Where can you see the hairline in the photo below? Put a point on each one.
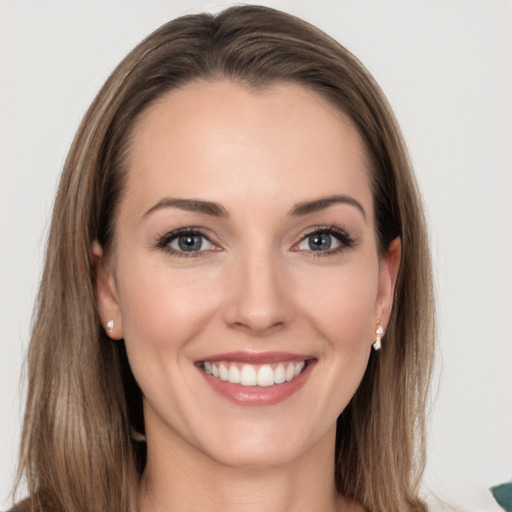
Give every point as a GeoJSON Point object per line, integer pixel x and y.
{"type": "Point", "coordinates": [256, 87]}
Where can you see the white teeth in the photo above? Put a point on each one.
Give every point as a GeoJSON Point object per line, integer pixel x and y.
{"type": "Point", "coordinates": [290, 372]}
{"type": "Point", "coordinates": [280, 374]}
{"type": "Point", "coordinates": [254, 375]}
{"type": "Point", "coordinates": [248, 375]}
{"type": "Point", "coordinates": [223, 372]}
{"type": "Point", "coordinates": [234, 375]}
{"type": "Point", "coordinates": [265, 376]}
{"type": "Point", "coordinates": [298, 368]}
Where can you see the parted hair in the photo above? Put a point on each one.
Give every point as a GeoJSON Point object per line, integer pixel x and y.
{"type": "Point", "coordinates": [78, 451]}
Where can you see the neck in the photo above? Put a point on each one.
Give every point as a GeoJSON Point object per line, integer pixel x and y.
{"type": "Point", "coordinates": [178, 477]}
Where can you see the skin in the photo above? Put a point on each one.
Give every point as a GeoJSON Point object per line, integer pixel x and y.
{"type": "Point", "coordinates": [255, 286]}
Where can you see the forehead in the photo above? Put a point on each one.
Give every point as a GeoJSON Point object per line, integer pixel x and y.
{"type": "Point", "coordinates": [222, 141]}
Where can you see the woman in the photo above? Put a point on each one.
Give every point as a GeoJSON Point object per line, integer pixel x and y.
{"type": "Point", "coordinates": [236, 226]}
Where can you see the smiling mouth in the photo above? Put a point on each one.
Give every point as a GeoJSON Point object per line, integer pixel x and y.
{"type": "Point", "coordinates": [261, 375]}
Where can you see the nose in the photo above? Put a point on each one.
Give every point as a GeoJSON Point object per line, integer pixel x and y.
{"type": "Point", "coordinates": [261, 298]}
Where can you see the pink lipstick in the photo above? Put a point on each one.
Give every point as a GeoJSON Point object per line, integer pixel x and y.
{"type": "Point", "coordinates": [256, 379]}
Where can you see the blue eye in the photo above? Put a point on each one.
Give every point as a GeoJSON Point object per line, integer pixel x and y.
{"type": "Point", "coordinates": [319, 242]}
{"type": "Point", "coordinates": [186, 242]}
{"type": "Point", "coordinates": [190, 242]}
{"type": "Point", "coordinates": [325, 240]}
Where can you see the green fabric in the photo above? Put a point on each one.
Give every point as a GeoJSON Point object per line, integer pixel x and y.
{"type": "Point", "coordinates": [503, 495]}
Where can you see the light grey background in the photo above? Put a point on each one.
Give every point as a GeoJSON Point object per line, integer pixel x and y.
{"type": "Point", "coordinates": [446, 66]}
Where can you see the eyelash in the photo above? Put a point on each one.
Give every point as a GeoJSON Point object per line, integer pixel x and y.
{"type": "Point", "coordinates": [344, 239]}
{"type": "Point", "coordinates": [165, 241]}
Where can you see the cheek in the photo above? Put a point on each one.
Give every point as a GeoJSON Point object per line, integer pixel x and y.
{"type": "Point", "coordinates": [163, 309]}
{"type": "Point", "coordinates": [341, 303]}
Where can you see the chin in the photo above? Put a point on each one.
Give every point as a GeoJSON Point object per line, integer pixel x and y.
{"type": "Point", "coordinates": [264, 445]}
{"type": "Point", "coordinates": [253, 456]}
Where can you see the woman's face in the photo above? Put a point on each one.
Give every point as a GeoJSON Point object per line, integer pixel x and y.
{"type": "Point", "coordinates": [245, 278]}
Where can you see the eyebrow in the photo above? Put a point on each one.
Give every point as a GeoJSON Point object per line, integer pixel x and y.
{"type": "Point", "coordinates": [190, 205]}
{"type": "Point", "coordinates": [216, 210]}
{"type": "Point", "coordinates": [307, 207]}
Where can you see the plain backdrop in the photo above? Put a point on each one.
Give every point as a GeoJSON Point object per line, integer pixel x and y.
{"type": "Point", "coordinates": [446, 67]}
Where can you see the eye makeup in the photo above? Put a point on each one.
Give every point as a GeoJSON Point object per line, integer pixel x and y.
{"type": "Point", "coordinates": [324, 241]}
{"type": "Point", "coordinates": [188, 242]}
{"type": "Point", "coordinates": [316, 241]}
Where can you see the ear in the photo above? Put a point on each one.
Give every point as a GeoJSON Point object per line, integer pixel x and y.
{"type": "Point", "coordinates": [106, 293]}
{"type": "Point", "coordinates": [388, 273]}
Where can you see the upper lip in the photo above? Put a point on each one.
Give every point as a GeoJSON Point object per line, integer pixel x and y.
{"type": "Point", "coordinates": [257, 357]}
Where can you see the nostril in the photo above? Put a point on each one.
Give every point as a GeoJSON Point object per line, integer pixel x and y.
{"type": "Point", "coordinates": [258, 326]}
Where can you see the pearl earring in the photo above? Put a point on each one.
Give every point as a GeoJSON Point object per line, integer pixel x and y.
{"type": "Point", "coordinates": [110, 326]}
{"type": "Point", "coordinates": [379, 332]}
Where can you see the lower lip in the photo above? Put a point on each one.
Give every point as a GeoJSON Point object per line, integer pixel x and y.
{"type": "Point", "coordinates": [254, 396]}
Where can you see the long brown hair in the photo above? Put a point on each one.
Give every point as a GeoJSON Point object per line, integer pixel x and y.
{"type": "Point", "coordinates": [77, 451]}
